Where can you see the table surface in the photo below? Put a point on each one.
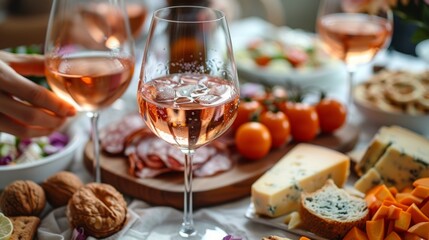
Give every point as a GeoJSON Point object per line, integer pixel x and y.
{"type": "Point", "coordinates": [232, 214]}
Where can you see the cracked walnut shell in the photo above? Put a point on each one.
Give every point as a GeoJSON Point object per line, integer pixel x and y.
{"type": "Point", "coordinates": [59, 188]}
{"type": "Point", "coordinates": [99, 208]}
{"type": "Point", "coordinates": [22, 198]}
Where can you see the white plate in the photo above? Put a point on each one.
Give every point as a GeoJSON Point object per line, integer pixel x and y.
{"type": "Point", "coordinates": [245, 31]}
{"type": "Point", "coordinates": [41, 169]}
{"type": "Point", "coordinates": [417, 123]}
{"type": "Point", "coordinates": [278, 223]}
{"type": "Point", "coordinates": [422, 50]}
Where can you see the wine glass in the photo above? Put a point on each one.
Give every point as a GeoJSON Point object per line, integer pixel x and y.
{"type": "Point", "coordinates": [137, 12]}
{"type": "Point", "coordinates": [89, 57]}
{"type": "Point", "coordinates": [354, 32]}
{"type": "Point", "coordinates": [188, 94]}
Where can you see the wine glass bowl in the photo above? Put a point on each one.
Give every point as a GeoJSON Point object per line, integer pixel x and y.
{"type": "Point", "coordinates": [137, 13]}
{"type": "Point", "coordinates": [89, 57]}
{"type": "Point", "coordinates": [188, 110]}
{"type": "Point", "coordinates": [188, 92]}
{"type": "Point", "coordinates": [353, 32]}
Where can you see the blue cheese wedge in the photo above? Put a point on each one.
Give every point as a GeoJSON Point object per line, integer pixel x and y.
{"type": "Point", "coordinates": [371, 179]}
{"type": "Point", "coordinates": [305, 168]}
{"type": "Point", "coordinates": [385, 137]}
{"type": "Point", "coordinates": [395, 157]}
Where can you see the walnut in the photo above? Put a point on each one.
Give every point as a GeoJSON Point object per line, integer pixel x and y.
{"type": "Point", "coordinates": [60, 187]}
{"type": "Point", "coordinates": [22, 198]}
{"type": "Point", "coordinates": [99, 208]}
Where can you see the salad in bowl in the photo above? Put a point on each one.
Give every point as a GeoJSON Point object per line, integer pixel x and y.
{"type": "Point", "coordinates": [35, 158]}
{"type": "Point", "coordinates": [279, 55]}
{"type": "Point", "coordinates": [14, 150]}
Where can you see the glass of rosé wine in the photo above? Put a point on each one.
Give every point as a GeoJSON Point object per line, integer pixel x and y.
{"type": "Point", "coordinates": [89, 57]}
{"type": "Point", "coordinates": [354, 31]}
{"type": "Point", "coordinates": [188, 94]}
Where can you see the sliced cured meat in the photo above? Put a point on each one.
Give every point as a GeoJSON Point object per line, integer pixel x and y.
{"type": "Point", "coordinates": [153, 152]}
{"type": "Point", "coordinates": [220, 162]}
{"type": "Point", "coordinates": [157, 151]}
{"type": "Point", "coordinates": [151, 173]}
{"type": "Point", "coordinates": [176, 158]}
{"type": "Point", "coordinates": [113, 135]}
{"type": "Point", "coordinates": [135, 165]}
{"type": "Point", "coordinates": [149, 156]}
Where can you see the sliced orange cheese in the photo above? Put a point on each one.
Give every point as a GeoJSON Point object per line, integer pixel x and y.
{"type": "Point", "coordinates": [393, 236]}
{"type": "Point", "coordinates": [425, 209]}
{"type": "Point", "coordinates": [403, 222]}
{"type": "Point", "coordinates": [375, 229]}
{"type": "Point", "coordinates": [421, 192]}
{"type": "Point", "coordinates": [420, 229]}
{"type": "Point", "coordinates": [421, 182]}
{"type": "Point", "coordinates": [417, 215]}
{"type": "Point", "coordinates": [355, 234]}
{"type": "Point", "coordinates": [408, 198]}
{"type": "Point", "coordinates": [396, 204]}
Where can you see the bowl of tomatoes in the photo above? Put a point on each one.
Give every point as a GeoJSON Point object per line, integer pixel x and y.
{"type": "Point", "coordinates": [270, 119]}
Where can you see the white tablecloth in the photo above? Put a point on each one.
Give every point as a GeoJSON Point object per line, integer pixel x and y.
{"type": "Point", "coordinates": [230, 215]}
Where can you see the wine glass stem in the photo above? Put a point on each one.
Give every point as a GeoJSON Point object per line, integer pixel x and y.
{"type": "Point", "coordinates": [350, 72]}
{"type": "Point", "coordinates": [188, 229]}
{"type": "Point", "coordinates": [96, 145]}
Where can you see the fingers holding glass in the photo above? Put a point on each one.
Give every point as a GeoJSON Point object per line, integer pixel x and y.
{"type": "Point", "coordinates": [89, 57]}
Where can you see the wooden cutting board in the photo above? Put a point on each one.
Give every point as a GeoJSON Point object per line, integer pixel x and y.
{"type": "Point", "coordinates": [167, 189]}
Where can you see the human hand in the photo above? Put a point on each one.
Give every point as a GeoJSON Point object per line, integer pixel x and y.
{"type": "Point", "coordinates": [28, 109]}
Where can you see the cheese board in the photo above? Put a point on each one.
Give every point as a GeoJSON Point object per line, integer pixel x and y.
{"type": "Point", "coordinates": [167, 189]}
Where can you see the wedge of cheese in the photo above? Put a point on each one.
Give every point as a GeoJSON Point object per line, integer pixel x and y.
{"type": "Point", "coordinates": [305, 168]}
{"type": "Point", "coordinates": [395, 157]}
{"type": "Point", "coordinates": [385, 137]}
{"type": "Point", "coordinates": [371, 179]}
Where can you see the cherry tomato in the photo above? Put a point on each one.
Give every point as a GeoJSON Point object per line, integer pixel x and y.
{"type": "Point", "coordinates": [253, 140]}
{"type": "Point", "coordinates": [331, 113]}
{"type": "Point", "coordinates": [245, 111]}
{"type": "Point", "coordinates": [296, 57]}
{"type": "Point", "coordinates": [304, 122]}
{"type": "Point", "coordinates": [262, 60]}
{"type": "Point", "coordinates": [278, 125]}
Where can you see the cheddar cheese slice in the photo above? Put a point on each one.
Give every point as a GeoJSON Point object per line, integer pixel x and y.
{"type": "Point", "coordinates": [305, 168]}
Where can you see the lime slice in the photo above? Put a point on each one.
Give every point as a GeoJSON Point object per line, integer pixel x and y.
{"type": "Point", "coordinates": [6, 227]}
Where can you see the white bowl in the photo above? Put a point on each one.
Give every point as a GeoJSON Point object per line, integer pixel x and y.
{"type": "Point", "coordinates": [325, 76]}
{"type": "Point", "coordinates": [41, 169]}
{"type": "Point", "coordinates": [280, 72]}
{"type": "Point", "coordinates": [422, 50]}
{"type": "Point", "coordinates": [417, 123]}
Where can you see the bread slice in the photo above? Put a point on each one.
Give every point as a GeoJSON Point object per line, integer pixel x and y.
{"type": "Point", "coordinates": [331, 212]}
{"type": "Point", "coordinates": [24, 227]}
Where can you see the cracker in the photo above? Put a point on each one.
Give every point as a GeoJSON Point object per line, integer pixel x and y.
{"type": "Point", "coordinates": [24, 227]}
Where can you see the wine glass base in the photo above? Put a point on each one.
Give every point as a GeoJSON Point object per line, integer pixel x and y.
{"type": "Point", "coordinates": [170, 231]}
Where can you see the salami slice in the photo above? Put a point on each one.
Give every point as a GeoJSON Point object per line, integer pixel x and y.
{"type": "Point", "coordinates": [151, 173]}
{"type": "Point", "coordinates": [113, 135]}
{"type": "Point", "coordinates": [149, 156]}
{"type": "Point", "coordinates": [220, 162]}
{"type": "Point", "coordinates": [152, 151]}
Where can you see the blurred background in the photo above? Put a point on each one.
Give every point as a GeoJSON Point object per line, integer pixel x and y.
{"type": "Point", "coordinates": [23, 22]}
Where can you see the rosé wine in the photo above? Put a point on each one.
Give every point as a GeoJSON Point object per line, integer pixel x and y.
{"type": "Point", "coordinates": [188, 110]}
{"type": "Point", "coordinates": [89, 82]}
{"type": "Point", "coordinates": [353, 38]}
